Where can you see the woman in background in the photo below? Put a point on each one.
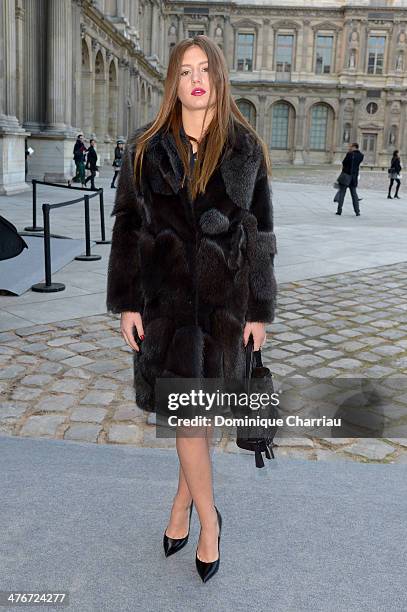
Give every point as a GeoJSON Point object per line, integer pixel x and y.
{"type": "Point", "coordinates": [395, 174]}
{"type": "Point", "coordinates": [117, 162]}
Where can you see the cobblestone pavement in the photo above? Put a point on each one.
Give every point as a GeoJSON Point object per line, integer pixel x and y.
{"type": "Point", "coordinates": [376, 180]}
{"type": "Point", "coordinates": [73, 379]}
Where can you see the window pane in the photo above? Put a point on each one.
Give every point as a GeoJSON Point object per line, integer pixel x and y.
{"type": "Point", "coordinates": [284, 55]}
{"type": "Point", "coordinates": [319, 124]}
{"type": "Point", "coordinates": [245, 43]}
{"type": "Point", "coordinates": [279, 126]}
{"type": "Point", "coordinates": [375, 57]}
{"type": "Point", "coordinates": [324, 54]}
{"type": "Point", "coordinates": [248, 111]}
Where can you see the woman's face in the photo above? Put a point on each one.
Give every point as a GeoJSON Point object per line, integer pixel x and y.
{"type": "Point", "coordinates": [194, 75]}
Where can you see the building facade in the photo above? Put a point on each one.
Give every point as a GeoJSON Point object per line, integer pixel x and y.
{"type": "Point", "coordinates": [311, 77]}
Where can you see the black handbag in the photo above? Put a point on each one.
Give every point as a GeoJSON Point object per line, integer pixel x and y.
{"type": "Point", "coordinates": [344, 179]}
{"type": "Point", "coordinates": [257, 439]}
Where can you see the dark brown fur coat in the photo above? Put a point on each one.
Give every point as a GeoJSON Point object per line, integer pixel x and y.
{"type": "Point", "coordinates": [196, 271]}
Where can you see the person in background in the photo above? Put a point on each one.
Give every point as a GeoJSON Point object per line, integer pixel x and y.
{"type": "Point", "coordinates": [79, 151]}
{"type": "Point", "coordinates": [91, 163]}
{"type": "Point", "coordinates": [117, 162]}
{"type": "Point", "coordinates": [395, 174]}
{"type": "Point", "coordinates": [350, 165]}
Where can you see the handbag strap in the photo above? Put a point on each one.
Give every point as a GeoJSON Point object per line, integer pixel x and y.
{"type": "Point", "coordinates": [249, 356]}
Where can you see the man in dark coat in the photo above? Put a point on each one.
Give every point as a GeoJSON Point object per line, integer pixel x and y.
{"type": "Point", "coordinates": [79, 151]}
{"type": "Point", "coordinates": [350, 166]}
{"type": "Point", "coordinates": [197, 271]}
{"type": "Point", "coordinates": [91, 161]}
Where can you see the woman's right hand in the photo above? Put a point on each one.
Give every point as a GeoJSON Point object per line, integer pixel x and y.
{"type": "Point", "coordinates": [127, 322]}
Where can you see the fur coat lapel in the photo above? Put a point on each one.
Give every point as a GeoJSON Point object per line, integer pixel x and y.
{"type": "Point", "coordinates": [238, 168]}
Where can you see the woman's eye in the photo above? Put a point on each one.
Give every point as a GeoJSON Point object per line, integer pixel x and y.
{"type": "Point", "coordinates": [186, 71]}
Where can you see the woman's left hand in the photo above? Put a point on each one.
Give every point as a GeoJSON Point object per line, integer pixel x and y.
{"type": "Point", "coordinates": [258, 331]}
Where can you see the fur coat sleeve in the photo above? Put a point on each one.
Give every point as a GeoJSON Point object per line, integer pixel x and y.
{"type": "Point", "coordinates": [262, 247]}
{"type": "Point", "coordinates": [123, 286]}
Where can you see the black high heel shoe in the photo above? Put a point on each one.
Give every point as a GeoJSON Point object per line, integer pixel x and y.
{"type": "Point", "coordinates": [173, 545]}
{"type": "Point", "coordinates": [207, 570]}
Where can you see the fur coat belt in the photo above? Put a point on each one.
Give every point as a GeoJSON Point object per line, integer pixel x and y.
{"type": "Point", "coordinates": [195, 270]}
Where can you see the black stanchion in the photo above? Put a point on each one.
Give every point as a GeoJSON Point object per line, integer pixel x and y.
{"type": "Point", "coordinates": [34, 227]}
{"type": "Point", "coordinates": [48, 286]}
{"type": "Point", "coordinates": [102, 220]}
{"type": "Point", "coordinates": [88, 256]}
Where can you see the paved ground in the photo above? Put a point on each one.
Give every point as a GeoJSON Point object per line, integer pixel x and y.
{"type": "Point", "coordinates": [376, 180]}
{"type": "Point", "coordinates": [305, 537]}
{"type": "Point", "coordinates": [73, 379]}
{"type": "Point", "coordinates": [84, 496]}
{"type": "Point", "coordinates": [312, 242]}
{"type": "Point", "coordinates": [66, 372]}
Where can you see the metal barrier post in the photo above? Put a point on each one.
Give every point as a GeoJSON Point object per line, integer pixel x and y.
{"type": "Point", "coordinates": [34, 227]}
{"type": "Point", "coordinates": [48, 286]}
{"type": "Point", "coordinates": [88, 256]}
{"type": "Point", "coordinates": [102, 220]}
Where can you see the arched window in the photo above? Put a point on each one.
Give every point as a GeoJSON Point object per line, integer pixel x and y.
{"type": "Point", "coordinates": [319, 127]}
{"type": "Point", "coordinates": [248, 111]}
{"type": "Point", "coordinates": [279, 125]}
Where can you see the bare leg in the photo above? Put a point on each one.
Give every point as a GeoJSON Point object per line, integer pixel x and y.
{"type": "Point", "coordinates": [194, 456]}
{"type": "Point", "coordinates": [178, 523]}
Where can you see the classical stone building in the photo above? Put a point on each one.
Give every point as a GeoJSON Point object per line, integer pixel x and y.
{"type": "Point", "coordinates": [72, 66]}
{"type": "Point", "coordinates": [311, 76]}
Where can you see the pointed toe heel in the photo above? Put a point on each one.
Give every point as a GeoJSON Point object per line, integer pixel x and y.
{"type": "Point", "coordinates": [173, 545]}
{"type": "Point", "coordinates": [207, 570]}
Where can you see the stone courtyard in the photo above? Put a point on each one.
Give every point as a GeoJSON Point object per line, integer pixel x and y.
{"type": "Point", "coordinates": [67, 376]}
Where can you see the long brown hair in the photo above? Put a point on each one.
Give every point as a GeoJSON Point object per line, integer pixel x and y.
{"type": "Point", "coordinates": [169, 116]}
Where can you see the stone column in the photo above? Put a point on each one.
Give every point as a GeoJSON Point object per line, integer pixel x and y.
{"type": "Point", "coordinates": [12, 135]}
{"type": "Point", "coordinates": [180, 28]}
{"type": "Point", "coordinates": [34, 62]}
{"type": "Point", "coordinates": [211, 27]}
{"type": "Point", "coordinates": [227, 34]}
{"type": "Point", "coordinates": [299, 133]}
{"type": "Point", "coordinates": [59, 57]}
{"type": "Point", "coordinates": [265, 48]}
{"type": "Point", "coordinates": [76, 67]}
{"type": "Point", "coordinates": [355, 124]}
{"type": "Point", "coordinates": [403, 131]}
{"type": "Point", "coordinates": [270, 52]}
{"type": "Point", "coordinates": [54, 157]}
{"type": "Point", "coordinates": [20, 17]}
{"type": "Point", "coordinates": [362, 55]}
{"type": "Point", "coordinates": [155, 33]}
{"type": "Point", "coordinates": [261, 115]}
{"type": "Point", "coordinates": [120, 9]}
{"type": "Point", "coordinates": [339, 132]}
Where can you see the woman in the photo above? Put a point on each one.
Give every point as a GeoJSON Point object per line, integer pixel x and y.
{"type": "Point", "coordinates": [395, 174]}
{"type": "Point", "coordinates": [191, 262]}
{"type": "Point", "coordinates": [117, 162]}
{"type": "Point", "coordinates": [91, 163]}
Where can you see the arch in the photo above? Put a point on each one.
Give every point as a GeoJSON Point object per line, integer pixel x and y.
{"type": "Point", "coordinates": [282, 125]}
{"type": "Point", "coordinates": [321, 116]}
{"type": "Point", "coordinates": [248, 110]}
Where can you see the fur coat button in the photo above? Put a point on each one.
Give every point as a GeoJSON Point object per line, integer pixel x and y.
{"type": "Point", "coordinates": [213, 222]}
